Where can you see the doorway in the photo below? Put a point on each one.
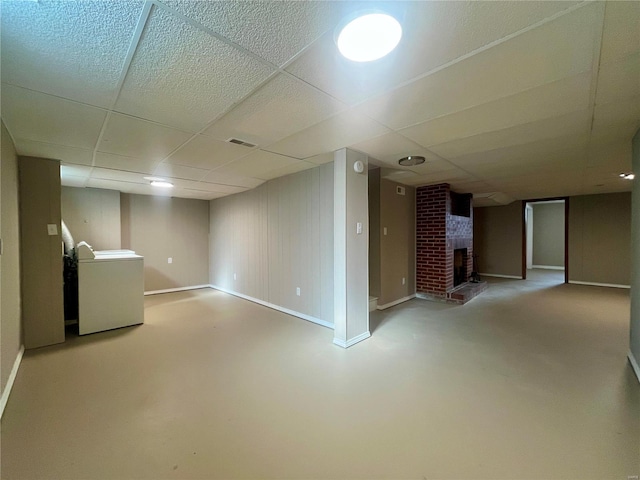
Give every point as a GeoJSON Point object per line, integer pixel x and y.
{"type": "Point", "coordinates": [545, 240]}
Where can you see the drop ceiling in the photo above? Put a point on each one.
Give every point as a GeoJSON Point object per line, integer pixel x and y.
{"type": "Point", "coordinates": [505, 100]}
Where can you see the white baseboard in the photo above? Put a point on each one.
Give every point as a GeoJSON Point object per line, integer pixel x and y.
{"type": "Point", "coordinates": [179, 289]}
{"type": "Point", "coordinates": [634, 364]}
{"type": "Point", "coordinates": [595, 284]}
{"type": "Point", "coordinates": [12, 377]}
{"type": "Point", "coordinates": [547, 267]}
{"type": "Point", "coordinates": [352, 341]}
{"type": "Point", "coordinates": [497, 275]}
{"type": "Point", "coordinates": [396, 302]}
{"type": "Point", "coordinates": [303, 316]}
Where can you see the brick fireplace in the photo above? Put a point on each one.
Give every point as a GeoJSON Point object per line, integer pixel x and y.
{"type": "Point", "coordinates": [444, 226]}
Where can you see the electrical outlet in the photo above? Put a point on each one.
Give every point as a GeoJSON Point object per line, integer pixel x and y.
{"type": "Point", "coordinates": [170, 260]}
{"type": "Point", "coordinates": [404, 280]}
{"type": "Point", "coordinates": [298, 291]}
{"type": "Point", "coordinates": [359, 228]}
{"type": "Point", "coordinates": [384, 230]}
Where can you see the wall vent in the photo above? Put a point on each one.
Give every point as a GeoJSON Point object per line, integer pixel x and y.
{"type": "Point", "coordinates": [400, 190]}
{"type": "Point", "coordinates": [237, 141]}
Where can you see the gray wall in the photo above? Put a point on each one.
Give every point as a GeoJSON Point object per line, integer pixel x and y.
{"type": "Point", "coordinates": [398, 247]}
{"type": "Point", "coordinates": [11, 333]}
{"type": "Point", "coordinates": [275, 238]}
{"type": "Point", "coordinates": [93, 216]}
{"type": "Point", "coordinates": [599, 238]}
{"type": "Point", "coordinates": [548, 234]}
{"type": "Point", "coordinates": [635, 255]}
{"type": "Point", "coordinates": [160, 228]}
{"type": "Point", "coordinates": [497, 239]}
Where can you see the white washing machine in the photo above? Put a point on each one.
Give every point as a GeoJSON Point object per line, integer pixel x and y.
{"type": "Point", "coordinates": [110, 289]}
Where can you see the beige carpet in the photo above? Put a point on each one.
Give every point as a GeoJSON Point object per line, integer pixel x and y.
{"type": "Point", "coordinates": [529, 380]}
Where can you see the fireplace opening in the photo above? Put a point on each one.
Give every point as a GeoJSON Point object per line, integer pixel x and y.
{"type": "Point", "coordinates": [459, 266]}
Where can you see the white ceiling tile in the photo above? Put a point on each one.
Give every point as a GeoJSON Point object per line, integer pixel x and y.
{"type": "Point", "coordinates": [621, 35]}
{"type": "Point", "coordinates": [619, 80]}
{"type": "Point", "coordinates": [346, 128]}
{"type": "Point", "coordinates": [572, 124]}
{"type": "Point", "coordinates": [434, 33]}
{"type": "Point", "coordinates": [550, 100]}
{"type": "Point", "coordinates": [205, 186]}
{"type": "Point", "coordinates": [617, 155]}
{"type": "Point", "coordinates": [43, 118]}
{"type": "Point", "coordinates": [299, 166]}
{"type": "Point", "coordinates": [165, 169]}
{"type": "Point", "coordinates": [128, 164]}
{"type": "Point", "coordinates": [321, 159]}
{"type": "Point", "coordinates": [133, 137]}
{"type": "Point", "coordinates": [446, 176]}
{"type": "Point", "coordinates": [558, 49]}
{"type": "Point", "coordinates": [234, 180]}
{"type": "Point", "coordinates": [207, 153]}
{"type": "Point", "coordinates": [280, 108]}
{"type": "Point", "coordinates": [72, 170]}
{"type": "Point", "coordinates": [78, 54]}
{"type": "Point", "coordinates": [275, 31]}
{"type": "Point", "coordinates": [122, 186]}
{"type": "Point", "coordinates": [71, 181]}
{"type": "Point", "coordinates": [617, 118]}
{"type": "Point", "coordinates": [183, 77]}
{"type": "Point", "coordinates": [30, 148]}
{"type": "Point", "coordinates": [117, 175]}
{"type": "Point", "coordinates": [258, 164]}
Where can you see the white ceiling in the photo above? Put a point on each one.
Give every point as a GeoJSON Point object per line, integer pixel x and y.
{"type": "Point", "coordinates": [506, 100]}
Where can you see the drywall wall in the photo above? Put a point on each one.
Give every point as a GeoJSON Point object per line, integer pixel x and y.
{"type": "Point", "coordinates": [548, 234]}
{"type": "Point", "coordinates": [599, 238]}
{"type": "Point", "coordinates": [497, 239]}
{"type": "Point", "coordinates": [374, 232]}
{"type": "Point", "coordinates": [269, 241]}
{"type": "Point", "coordinates": [398, 245]}
{"type": "Point", "coordinates": [10, 334]}
{"type": "Point", "coordinates": [40, 252]}
{"type": "Point", "coordinates": [93, 216]}
{"type": "Point", "coordinates": [634, 346]}
{"type": "Point", "coordinates": [160, 228]}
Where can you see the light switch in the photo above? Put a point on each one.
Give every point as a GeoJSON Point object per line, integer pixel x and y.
{"type": "Point", "coordinates": [52, 229]}
{"type": "Point", "coordinates": [384, 230]}
{"type": "Point", "coordinates": [359, 228]}
{"type": "Point", "coordinates": [170, 260]}
{"type": "Point", "coordinates": [298, 291]}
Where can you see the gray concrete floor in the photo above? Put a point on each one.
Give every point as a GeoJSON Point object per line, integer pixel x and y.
{"type": "Point", "coordinates": [528, 380]}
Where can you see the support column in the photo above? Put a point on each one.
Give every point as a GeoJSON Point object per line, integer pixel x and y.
{"type": "Point", "coordinates": [634, 344]}
{"type": "Point", "coordinates": [351, 248]}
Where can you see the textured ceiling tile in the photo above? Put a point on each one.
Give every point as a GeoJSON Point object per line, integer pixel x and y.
{"type": "Point", "coordinates": [205, 186]}
{"type": "Point", "coordinates": [72, 181]}
{"type": "Point", "coordinates": [288, 170]}
{"type": "Point", "coordinates": [440, 177]}
{"type": "Point", "coordinates": [183, 77]}
{"type": "Point", "coordinates": [434, 33]}
{"type": "Point", "coordinates": [619, 80]}
{"type": "Point", "coordinates": [275, 31]}
{"type": "Point", "coordinates": [117, 175]}
{"type": "Point", "coordinates": [559, 49]}
{"type": "Point", "coordinates": [390, 148]}
{"type": "Point", "coordinates": [616, 154]}
{"type": "Point", "coordinates": [346, 128]}
{"type": "Point", "coordinates": [551, 100]}
{"type": "Point", "coordinates": [621, 35]}
{"type": "Point", "coordinates": [207, 153]}
{"type": "Point", "coordinates": [128, 164]}
{"type": "Point", "coordinates": [43, 118]}
{"type": "Point", "coordinates": [133, 137]}
{"type": "Point", "coordinates": [70, 49]}
{"type": "Point", "coordinates": [280, 108]}
{"type": "Point", "coordinates": [616, 119]}
{"type": "Point", "coordinates": [71, 170]}
{"type": "Point", "coordinates": [125, 187]}
{"type": "Point", "coordinates": [258, 164]}
{"type": "Point", "coordinates": [233, 180]}
{"type": "Point", "coordinates": [321, 159]}
{"type": "Point", "coordinates": [572, 124]}
{"type": "Point", "coordinates": [165, 169]}
{"type": "Point", "coordinates": [30, 148]}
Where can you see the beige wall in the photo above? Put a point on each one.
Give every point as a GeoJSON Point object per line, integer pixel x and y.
{"type": "Point", "coordinates": [548, 234]}
{"type": "Point", "coordinates": [159, 228]}
{"type": "Point", "coordinates": [599, 238]}
{"type": "Point", "coordinates": [93, 216]}
{"type": "Point", "coordinates": [635, 255]}
{"type": "Point", "coordinates": [497, 239]}
{"type": "Point", "coordinates": [40, 252]}
{"type": "Point", "coordinates": [275, 238]}
{"type": "Point", "coordinates": [374, 232]}
{"type": "Point", "coordinates": [10, 334]}
{"type": "Point", "coordinates": [398, 246]}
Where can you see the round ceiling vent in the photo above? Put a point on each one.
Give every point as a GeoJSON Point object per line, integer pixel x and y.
{"type": "Point", "coordinates": [411, 161]}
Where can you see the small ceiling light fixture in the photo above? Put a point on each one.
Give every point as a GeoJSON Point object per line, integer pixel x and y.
{"type": "Point", "coordinates": [627, 176]}
{"type": "Point", "coordinates": [411, 161]}
{"type": "Point", "coordinates": [368, 37]}
{"type": "Point", "coordinates": [161, 183]}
